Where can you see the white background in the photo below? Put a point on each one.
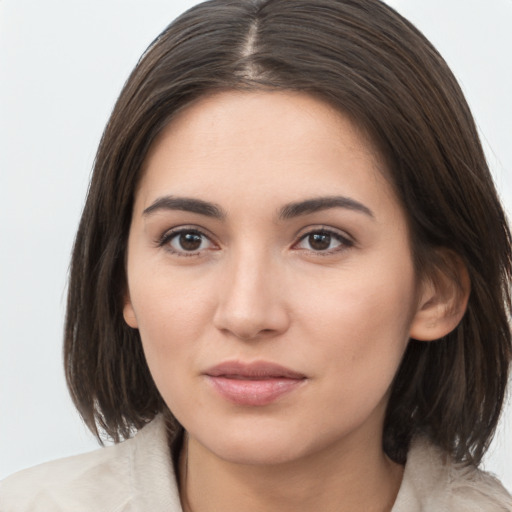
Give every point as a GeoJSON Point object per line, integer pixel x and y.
{"type": "Point", "coordinates": [62, 65]}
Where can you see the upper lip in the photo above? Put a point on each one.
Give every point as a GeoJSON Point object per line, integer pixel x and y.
{"type": "Point", "coordinates": [255, 370]}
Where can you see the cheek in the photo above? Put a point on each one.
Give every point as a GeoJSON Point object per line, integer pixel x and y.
{"type": "Point", "coordinates": [360, 324]}
{"type": "Point", "coordinates": [360, 299]}
{"type": "Point", "coordinates": [172, 316]}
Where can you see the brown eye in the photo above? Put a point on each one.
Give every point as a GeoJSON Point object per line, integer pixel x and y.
{"type": "Point", "coordinates": [323, 241]}
{"type": "Point", "coordinates": [190, 241]}
{"type": "Point", "coordinates": [319, 241]}
{"type": "Point", "coordinates": [187, 242]}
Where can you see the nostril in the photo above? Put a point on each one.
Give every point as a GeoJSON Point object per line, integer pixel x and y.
{"type": "Point", "coordinates": [250, 305]}
{"type": "Point", "coordinates": [253, 328]}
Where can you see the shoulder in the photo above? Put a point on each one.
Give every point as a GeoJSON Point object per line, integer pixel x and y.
{"type": "Point", "coordinates": [472, 489]}
{"type": "Point", "coordinates": [434, 482]}
{"type": "Point", "coordinates": [65, 483]}
{"type": "Point", "coordinates": [109, 479]}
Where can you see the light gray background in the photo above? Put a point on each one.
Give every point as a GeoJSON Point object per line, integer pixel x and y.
{"type": "Point", "coordinates": [62, 65]}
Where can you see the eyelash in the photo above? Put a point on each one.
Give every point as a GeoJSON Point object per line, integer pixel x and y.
{"type": "Point", "coordinates": [169, 236]}
{"type": "Point", "coordinates": [344, 241]}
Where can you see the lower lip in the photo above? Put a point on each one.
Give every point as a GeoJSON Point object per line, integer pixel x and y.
{"type": "Point", "coordinates": [254, 392]}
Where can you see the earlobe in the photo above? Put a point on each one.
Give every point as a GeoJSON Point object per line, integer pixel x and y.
{"type": "Point", "coordinates": [443, 300]}
{"type": "Point", "coordinates": [129, 313]}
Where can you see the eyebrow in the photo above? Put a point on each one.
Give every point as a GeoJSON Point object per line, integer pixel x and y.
{"type": "Point", "coordinates": [186, 204]}
{"type": "Point", "coordinates": [322, 203]}
{"type": "Point", "coordinates": [288, 211]}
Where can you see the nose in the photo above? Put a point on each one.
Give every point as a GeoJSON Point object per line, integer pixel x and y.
{"type": "Point", "coordinates": [251, 302]}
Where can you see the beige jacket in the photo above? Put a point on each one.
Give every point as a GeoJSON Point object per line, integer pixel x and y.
{"type": "Point", "coordinates": [137, 475]}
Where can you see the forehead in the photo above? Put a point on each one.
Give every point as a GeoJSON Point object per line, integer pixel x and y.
{"type": "Point", "coordinates": [279, 144]}
{"type": "Point", "coordinates": [250, 117]}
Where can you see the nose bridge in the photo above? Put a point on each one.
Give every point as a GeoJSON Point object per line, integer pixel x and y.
{"type": "Point", "coordinates": [251, 299]}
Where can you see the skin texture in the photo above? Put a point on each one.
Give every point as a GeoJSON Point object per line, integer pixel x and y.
{"type": "Point", "coordinates": [257, 288]}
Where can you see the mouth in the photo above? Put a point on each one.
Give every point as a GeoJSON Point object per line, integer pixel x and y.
{"type": "Point", "coordinates": [253, 384]}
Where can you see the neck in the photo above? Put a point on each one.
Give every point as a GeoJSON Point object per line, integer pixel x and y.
{"type": "Point", "coordinates": [335, 479]}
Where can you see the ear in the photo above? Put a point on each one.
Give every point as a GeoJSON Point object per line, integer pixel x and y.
{"type": "Point", "coordinates": [129, 313]}
{"type": "Point", "coordinates": [443, 298]}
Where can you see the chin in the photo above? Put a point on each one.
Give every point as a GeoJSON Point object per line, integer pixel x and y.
{"type": "Point", "coordinates": [259, 442]}
{"type": "Point", "coordinates": [256, 451]}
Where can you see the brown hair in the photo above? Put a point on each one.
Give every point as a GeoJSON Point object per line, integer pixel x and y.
{"type": "Point", "coordinates": [370, 63]}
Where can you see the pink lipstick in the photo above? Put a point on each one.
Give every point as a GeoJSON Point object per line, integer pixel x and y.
{"type": "Point", "coordinates": [253, 384]}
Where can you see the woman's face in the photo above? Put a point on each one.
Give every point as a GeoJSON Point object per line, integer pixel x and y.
{"type": "Point", "coordinates": [270, 277]}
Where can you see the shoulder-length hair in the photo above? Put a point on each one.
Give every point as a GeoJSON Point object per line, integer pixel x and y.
{"type": "Point", "coordinates": [377, 68]}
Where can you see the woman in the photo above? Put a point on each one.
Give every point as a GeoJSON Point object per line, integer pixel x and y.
{"type": "Point", "coordinates": [291, 276]}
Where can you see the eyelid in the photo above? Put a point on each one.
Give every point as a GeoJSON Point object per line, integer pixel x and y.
{"type": "Point", "coordinates": [347, 241]}
{"type": "Point", "coordinates": [164, 239]}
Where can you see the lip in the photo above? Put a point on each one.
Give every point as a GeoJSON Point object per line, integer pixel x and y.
{"type": "Point", "coordinates": [253, 384]}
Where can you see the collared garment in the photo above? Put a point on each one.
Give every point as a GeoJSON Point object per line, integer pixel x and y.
{"type": "Point", "coordinates": [138, 475]}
